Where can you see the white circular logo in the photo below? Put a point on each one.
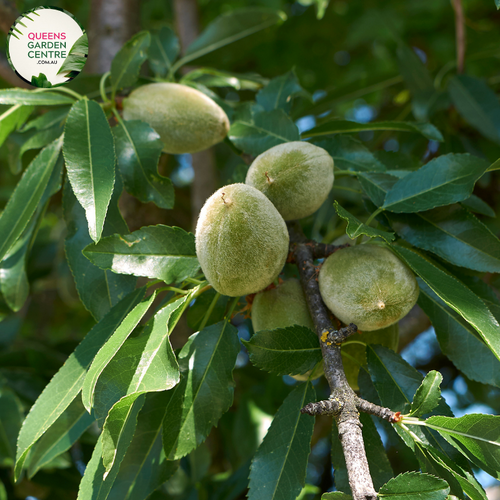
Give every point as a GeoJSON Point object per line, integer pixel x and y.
{"type": "Point", "coordinates": [47, 47]}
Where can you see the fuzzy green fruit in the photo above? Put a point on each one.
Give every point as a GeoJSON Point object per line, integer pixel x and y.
{"type": "Point", "coordinates": [367, 285]}
{"type": "Point", "coordinates": [186, 119]}
{"type": "Point", "coordinates": [296, 176]}
{"type": "Point", "coordinates": [280, 307]}
{"type": "Point", "coordinates": [241, 240]}
{"type": "Point", "coordinates": [354, 353]}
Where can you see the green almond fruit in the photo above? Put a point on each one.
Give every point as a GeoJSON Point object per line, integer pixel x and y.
{"type": "Point", "coordinates": [367, 285]}
{"type": "Point", "coordinates": [241, 240]}
{"type": "Point", "coordinates": [186, 119]}
{"type": "Point", "coordinates": [296, 176]}
{"type": "Point", "coordinates": [282, 306]}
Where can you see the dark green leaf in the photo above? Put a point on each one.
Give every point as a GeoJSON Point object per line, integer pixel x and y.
{"type": "Point", "coordinates": [41, 138]}
{"type": "Point", "coordinates": [144, 467]}
{"type": "Point", "coordinates": [96, 483]}
{"type": "Point", "coordinates": [211, 77]}
{"type": "Point", "coordinates": [478, 206]}
{"type": "Point", "coordinates": [63, 433]}
{"type": "Point", "coordinates": [263, 130]}
{"type": "Point", "coordinates": [163, 51]}
{"type": "Point", "coordinates": [335, 495]}
{"type": "Point", "coordinates": [456, 295]}
{"type": "Point", "coordinates": [345, 126]}
{"type": "Point", "coordinates": [376, 185]}
{"type": "Point", "coordinates": [69, 379]}
{"type": "Point", "coordinates": [478, 104]}
{"type": "Point", "coordinates": [55, 116]}
{"type": "Point", "coordinates": [428, 394]}
{"type": "Point", "coordinates": [110, 348]}
{"type": "Point", "coordinates": [457, 339]}
{"type": "Point", "coordinates": [11, 418]}
{"type": "Point", "coordinates": [285, 351]}
{"type": "Point", "coordinates": [41, 81]}
{"type": "Point", "coordinates": [90, 161]}
{"type": "Point", "coordinates": [477, 436]}
{"type": "Point", "coordinates": [77, 57]}
{"type": "Point", "coordinates": [27, 195]}
{"type": "Point", "coordinates": [197, 311]}
{"type": "Point", "coordinates": [278, 93]}
{"type": "Point", "coordinates": [356, 228]}
{"type": "Point", "coordinates": [279, 466]}
{"type": "Point", "coordinates": [162, 252]}
{"type": "Point", "coordinates": [230, 27]}
{"type": "Point", "coordinates": [128, 61]}
{"type": "Point", "coordinates": [12, 119]}
{"type": "Point", "coordinates": [350, 154]}
{"type": "Point", "coordinates": [444, 180]}
{"type": "Point", "coordinates": [34, 97]}
{"type": "Point", "coordinates": [454, 234]}
{"type": "Point", "coordinates": [397, 160]}
{"type": "Point", "coordinates": [415, 486]}
{"type": "Point", "coordinates": [205, 391]}
{"type": "Point", "coordinates": [138, 149]}
{"type": "Point", "coordinates": [99, 290]}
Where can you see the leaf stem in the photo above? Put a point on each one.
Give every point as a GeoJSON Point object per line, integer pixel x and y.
{"type": "Point", "coordinates": [102, 87]}
{"type": "Point", "coordinates": [65, 90]}
{"type": "Point", "coordinates": [344, 173]}
{"type": "Point", "coordinates": [231, 308]}
{"type": "Point", "coordinates": [209, 311]}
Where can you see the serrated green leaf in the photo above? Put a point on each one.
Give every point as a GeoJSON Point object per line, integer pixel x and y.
{"type": "Point", "coordinates": [41, 138]}
{"type": "Point", "coordinates": [444, 180]}
{"type": "Point", "coordinates": [285, 351]}
{"type": "Point", "coordinates": [477, 436]}
{"type": "Point", "coordinates": [477, 104]}
{"type": "Point", "coordinates": [163, 51]}
{"type": "Point", "coordinates": [120, 420]}
{"type": "Point", "coordinates": [350, 154]}
{"type": "Point", "coordinates": [478, 206]}
{"type": "Point", "coordinates": [278, 93]}
{"type": "Point", "coordinates": [96, 484]}
{"type": "Point", "coordinates": [205, 391]}
{"type": "Point", "coordinates": [456, 295]}
{"type": "Point", "coordinates": [69, 379]}
{"type": "Point", "coordinates": [63, 433]}
{"type": "Point", "coordinates": [138, 149]}
{"type": "Point", "coordinates": [98, 289]}
{"type": "Point", "coordinates": [279, 467]}
{"type": "Point", "coordinates": [356, 228]}
{"type": "Point", "coordinates": [197, 311]}
{"type": "Point", "coordinates": [230, 27]}
{"type": "Point", "coordinates": [428, 394]}
{"type": "Point", "coordinates": [77, 56]}
{"type": "Point", "coordinates": [12, 119]}
{"type": "Point", "coordinates": [454, 234]}
{"type": "Point", "coordinates": [55, 116]}
{"type": "Point", "coordinates": [162, 252]}
{"type": "Point", "coordinates": [459, 479]}
{"type": "Point", "coordinates": [110, 348]}
{"type": "Point", "coordinates": [457, 339]}
{"type": "Point", "coordinates": [128, 61]}
{"type": "Point", "coordinates": [27, 195]}
{"type": "Point", "coordinates": [211, 77]}
{"type": "Point", "coordinates": [144, 466]}
{"type": "Point", "coordinates": [428, 130]}
{"type": "Point", "coordinates": [90, 161]}
{"type": "Point", "coordinates": [34, 97]}
{"type": "Point", "coordinates": [376, 185]}
{"type": "Point", "coordinates": [263, 130]}
{"type": "Point", "coordinates": [415, 486]}
{"type": "Point", "coordinates": [335, 495]}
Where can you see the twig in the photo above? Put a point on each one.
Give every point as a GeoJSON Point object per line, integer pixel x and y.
{"type": "Point", "coordinates": [460, 34]}
{"type": "Point", "coordinates": [343, 405]}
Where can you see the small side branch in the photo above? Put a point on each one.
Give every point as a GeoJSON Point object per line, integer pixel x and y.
{"type": "Point", "coordinates": [378, 411]}
{"type": "Point", "coordinates": [460, 34]}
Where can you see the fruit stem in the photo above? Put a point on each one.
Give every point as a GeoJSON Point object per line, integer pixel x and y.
{"type": "Point", "coordinates": [102, 88]}
{"type": "Point", "coordinates": [209, 311]}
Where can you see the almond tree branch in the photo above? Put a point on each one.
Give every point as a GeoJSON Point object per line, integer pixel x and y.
{"type": "Point", "coordinates": [344, 400]}
{"type": "Point", "coordinates": [460, 33]}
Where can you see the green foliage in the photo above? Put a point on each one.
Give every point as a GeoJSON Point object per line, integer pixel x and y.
{"type": "Point", "coordinates": [161, 399]}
